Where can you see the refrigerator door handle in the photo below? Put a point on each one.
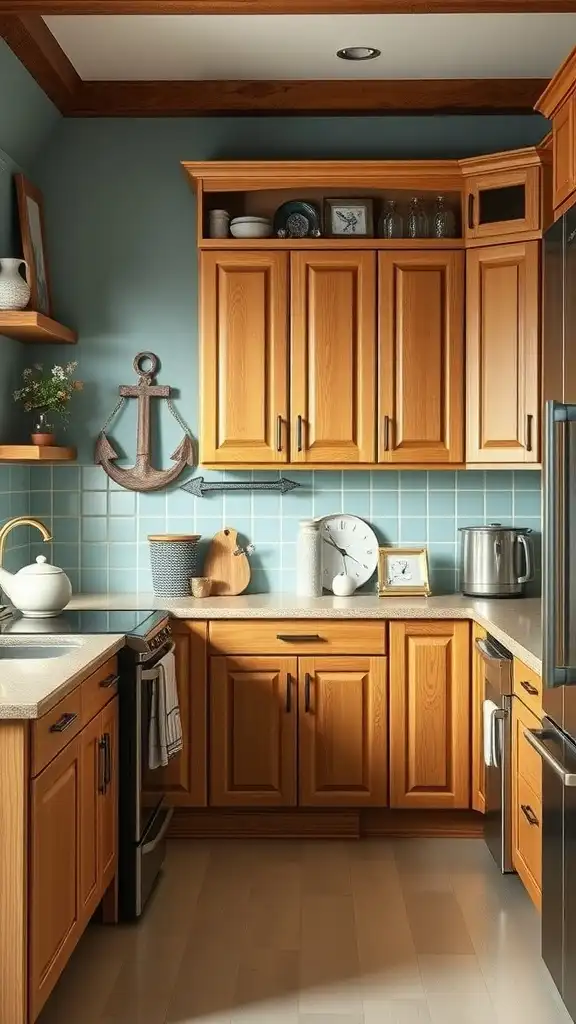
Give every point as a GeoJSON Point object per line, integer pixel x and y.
{"type": "Point", "coordinates": [555, 672]}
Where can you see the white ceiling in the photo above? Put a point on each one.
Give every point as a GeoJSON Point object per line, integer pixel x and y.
{"type": "Point", "coordinates": [180, 47]}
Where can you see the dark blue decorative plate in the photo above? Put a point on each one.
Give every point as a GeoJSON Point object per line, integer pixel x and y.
{"type": "Point", "coordinates": [297, 219]}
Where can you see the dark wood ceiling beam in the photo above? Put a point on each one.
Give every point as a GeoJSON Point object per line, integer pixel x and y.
{"type": "Point", "coordinates": [187, 99]}
{"type": "Point", "coordinates": [285, 6]}
{"type": "Point", "coordinates": [32, 42]}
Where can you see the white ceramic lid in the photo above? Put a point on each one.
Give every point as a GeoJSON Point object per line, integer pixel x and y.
{"type": "Point", "coordinates": [41, 567]}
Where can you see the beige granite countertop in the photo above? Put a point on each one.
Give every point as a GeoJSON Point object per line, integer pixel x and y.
{"type": "Point", "coordinates": [31, 687]}
{"type": "Point", "coordinates": [516, 623]}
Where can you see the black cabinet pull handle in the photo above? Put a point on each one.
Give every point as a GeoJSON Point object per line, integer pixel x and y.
{"type": "Point", "coordinates": [529, 814]}
{"type": "Point", "coordinates": [102, 765]}
{"type": "Point", "coordinates": [386, 433]}
{"type": "Point", "coordinates": [294, 638]}
{"type": "Point", "coordinates": [299, 433]}
{"type": "Point", "coordinates": [470, 211]}
{"type": "Point", "coordinates": [532, 690]}
{"type": "Point", "coordinates": [108, 759]}
{"type": "Point", "coordinates": [529, 422]}
{"type": "Point", "coordinates": [288, 693]}
{"type": "Point", "coordinates": [279, 433]}
{"type": "Point", "coordinates": [64, 722]}
{"type": "Point", "coordinates": [307, 684]}
{"type": "Point", "coordinates": [109, 681]}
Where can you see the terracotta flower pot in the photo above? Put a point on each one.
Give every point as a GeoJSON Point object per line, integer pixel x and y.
{"type": "Point", "coordinates": [43, 440]}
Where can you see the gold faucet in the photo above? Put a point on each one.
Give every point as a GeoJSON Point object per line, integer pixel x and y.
{"type": "Point", "coordinates": [21, 521]}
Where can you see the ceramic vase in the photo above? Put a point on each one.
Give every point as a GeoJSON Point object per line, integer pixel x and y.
{"type": "Point", "coordinates": [14, 290]}
{"type": "Point", "coordinates": [309, 560]}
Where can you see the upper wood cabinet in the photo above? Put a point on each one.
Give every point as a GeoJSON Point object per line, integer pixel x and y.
{"type": "Point", "coordinates": [430, 714]}
{"type": "Point", "coordinates": [421, 356]}
{"type": "Point", "coordinates": [478, 767]}
{"type": "Point", "coordinates": [503, 353]}
{"type": "Point", "coordinates": [244, 357]}
{"type": "Point", "coordinates": [502, 196]}
{"type": "Point", "coordinates": [333, 357]}
{"type": "Point", "coordinates": [54, 904]}
{"type": "Point", "coordinates": [253, 721]}
{"type": "Point", "coordinates": [558, 104]}
{"type": "Point", "coordinates": [342, 738]}
{"type": "Point", "coordinates": [184, 779]}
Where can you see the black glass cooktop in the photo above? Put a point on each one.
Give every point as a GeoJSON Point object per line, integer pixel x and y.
{"type": "Point", "coordinates": [116, 620]}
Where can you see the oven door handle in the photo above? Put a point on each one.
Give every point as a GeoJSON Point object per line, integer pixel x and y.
{"type": "Point", "coordinates": [488, 652]}
{"type": "Point", "coordinates": [153, 843]}
{"type": "Point", "coordinates": [536, 738]}
{"type": "Point", "coordinates": [495, 747]}
{"type": "Point", "coordinates": [154, 672]}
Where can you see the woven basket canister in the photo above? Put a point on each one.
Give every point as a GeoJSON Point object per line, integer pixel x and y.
{"type": "Point", "coordinates": [174, 561]}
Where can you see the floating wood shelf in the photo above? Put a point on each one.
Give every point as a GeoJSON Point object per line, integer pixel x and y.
{"type": "Point", "coordinates": [35, 453]}
{"type": "Point", "coordinates": [26, 325]}
{"type": "Point", "coordinates": [331, 243]}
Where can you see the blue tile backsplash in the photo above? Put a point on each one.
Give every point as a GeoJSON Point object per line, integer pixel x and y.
{"type": "Point", "coordinates": [100, 531]}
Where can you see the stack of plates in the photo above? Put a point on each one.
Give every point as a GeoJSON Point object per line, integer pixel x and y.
{"type": "Point", "coordinates": [251, 227]}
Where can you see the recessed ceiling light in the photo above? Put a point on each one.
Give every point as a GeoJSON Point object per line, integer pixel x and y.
{"type": "Point", "coordinates": [358, 53]}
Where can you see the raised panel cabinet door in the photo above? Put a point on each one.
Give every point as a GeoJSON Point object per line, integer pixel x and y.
{"type": "Point", "coordinates": [54, 901]}
{"type": "Point", "coordinates": [430, 714]}
{"type": "Point", "coordinates": [421, 357]}
{"type": "Point", "coordinates": [108, 798]}
{"type": "Point", "coordinates": [244, 345]}
{"type": "Point", "coordinates": [478, 768]}
{"type": "Point", "coordinates": [333, 357]}
{"type": "Point", "coordinates": [342, 732]}
{"type": "Point", "coordinates": [564, 151]}
{"type": "Point", "coordinates": [253, 721]}
{"type": "Point", "coordinates": [91, 788]}
{"type": "Point", "coordinates": [526, 803]}
{"type": "Point", "coordinates": [184, 779]}
{"type": "Point", "coordinates": [503, 353]}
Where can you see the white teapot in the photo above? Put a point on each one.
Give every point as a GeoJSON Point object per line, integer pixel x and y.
{"type": "Point", "coordinates": [39, 590]}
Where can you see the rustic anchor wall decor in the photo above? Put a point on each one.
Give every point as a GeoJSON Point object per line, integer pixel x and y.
{"type": "Point", "coordinates": [142, 476]}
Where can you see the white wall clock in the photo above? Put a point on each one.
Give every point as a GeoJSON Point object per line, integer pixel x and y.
{"type": "Point", "coordinates": [348, 545]}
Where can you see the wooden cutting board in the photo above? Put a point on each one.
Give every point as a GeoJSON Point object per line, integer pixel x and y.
{"type": "Point", "coordinates": [230, 573]}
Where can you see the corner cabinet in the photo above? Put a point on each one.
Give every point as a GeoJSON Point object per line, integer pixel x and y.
{"type": "Point", "coordinates": [503, 353]}
{"type": "Point", "coordinates": [421, 356]}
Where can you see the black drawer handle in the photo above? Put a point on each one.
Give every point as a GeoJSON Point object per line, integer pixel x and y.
{"type": "Point", "coordinates": [109, 681]}
{"type": "Point", "coordinates": [532, 690]}
{"type": "Point", "coordinates": [288, 693]}
{"type": "Point", "coordinates": [64, 722]}
{"type": "Point", "coordinates": [102, 766]}
{"type": "Point", "coordinates": [529, 814]}
{"type": "Point", "coordinates": [307, 684]}
{"type": "Point", "coordinates": [294, 638]}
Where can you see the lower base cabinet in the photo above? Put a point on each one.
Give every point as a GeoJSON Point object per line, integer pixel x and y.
{"type": "Point", "coordinates": [430, 714]}
{"type": "Point", "coordinates": [526, 803]}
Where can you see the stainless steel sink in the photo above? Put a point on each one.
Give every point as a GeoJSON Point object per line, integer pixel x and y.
{"type": "Point", "coordinates": [35, 651]}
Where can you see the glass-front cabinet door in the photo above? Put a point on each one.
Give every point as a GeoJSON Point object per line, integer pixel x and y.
{"type": "Point", "coordinates": [502, 199]}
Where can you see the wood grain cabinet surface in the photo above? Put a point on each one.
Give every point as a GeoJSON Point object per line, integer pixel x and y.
{"type": "Point", "coordinates": [333, 357]}
{"type": "Point", "coordinates": [502, 202]}
{"type": "Point", "coordinates": [430, 714]}
{"type": "Point", "coordinates": [342, 737]}
{"type": "Point", "coordinates": [478, 767]}
{"type": "Point", "coordinates": [421, 357]}
{"type": "Point", "coordinates": [184, 779]}
{"type": "Point", "coordinates": [526, 803]}
{"type": "Point", "coordinates": [244, 358]}
{"type": "Point", "coordinates": [564, 151]}
{"type": "Point", "coordinates": [503, 353]}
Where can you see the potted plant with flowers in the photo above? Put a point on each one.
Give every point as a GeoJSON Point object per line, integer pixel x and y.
{"type": "Point", "coordinates": [45, 392]}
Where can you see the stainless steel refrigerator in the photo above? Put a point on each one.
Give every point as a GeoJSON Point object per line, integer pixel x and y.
{"type": "Point", "coordinates": [556, 741]}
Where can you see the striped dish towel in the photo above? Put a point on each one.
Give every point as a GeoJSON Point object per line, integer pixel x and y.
{"type": "Point", "coordinates": [165, 731]}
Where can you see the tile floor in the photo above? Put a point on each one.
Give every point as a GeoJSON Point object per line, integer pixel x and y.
{"type": "Point", "coordinates": [371, 932]}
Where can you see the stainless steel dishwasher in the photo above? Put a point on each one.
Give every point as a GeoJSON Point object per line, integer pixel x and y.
{"type": "Point", "coordinates": [497, 689]}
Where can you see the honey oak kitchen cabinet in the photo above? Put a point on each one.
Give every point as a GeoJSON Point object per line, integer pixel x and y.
{"type": "Point", "coordinates": [430, 714]}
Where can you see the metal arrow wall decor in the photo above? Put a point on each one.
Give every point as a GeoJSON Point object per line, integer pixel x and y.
{"type": "Point", "coordinates": [143, 476]}
{"type": "Point", "coordinates": [199, 488]}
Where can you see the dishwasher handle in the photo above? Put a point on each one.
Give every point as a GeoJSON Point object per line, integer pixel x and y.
{"type": "Point", "coordinates": [537, 739]}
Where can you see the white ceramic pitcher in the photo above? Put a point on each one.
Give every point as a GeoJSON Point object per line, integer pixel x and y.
{"type": "Point", "coordinates": [14, 290]}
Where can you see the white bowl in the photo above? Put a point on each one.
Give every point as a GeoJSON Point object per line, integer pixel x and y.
{"type": "Point", "coordinates": [251, 220]}
{"type": "Point", "coordinates": [254, 229]}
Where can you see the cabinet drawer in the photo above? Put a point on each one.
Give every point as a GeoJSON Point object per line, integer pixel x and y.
{"type": "Point", "coordinates": [528, 686]}
{"type": "Point", "coordinates": [528, 845]}
{"type": "Point", "coordinates": [98, 689]}
{"type": "Point", "coordinates": [313, 636]}
{"type": "Point", "coordinates": [52, 732]}
{"type": "Point", "coordinates": [529, 764]}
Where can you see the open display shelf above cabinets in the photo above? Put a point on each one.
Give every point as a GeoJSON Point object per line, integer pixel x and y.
{"type": "Point", "coordinates": [36, 453]}
{"type": "Point", "coordinates": [34, 328]}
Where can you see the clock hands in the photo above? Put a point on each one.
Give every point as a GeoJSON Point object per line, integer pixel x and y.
{"type": "Point", "coordinates": [341, 551]}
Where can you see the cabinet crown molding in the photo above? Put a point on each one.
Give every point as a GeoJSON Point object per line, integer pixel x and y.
{"type": "Point", "coordinates": [560, 86]}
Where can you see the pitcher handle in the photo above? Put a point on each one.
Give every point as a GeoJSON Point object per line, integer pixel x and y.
{"type": "Point", "coordinates": [529, 575]}
{"type": "Point", "coordinates": [27, 268]}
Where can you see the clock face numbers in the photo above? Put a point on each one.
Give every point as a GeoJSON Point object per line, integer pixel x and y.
{"type": "Point", "coordinates": [349, 546]}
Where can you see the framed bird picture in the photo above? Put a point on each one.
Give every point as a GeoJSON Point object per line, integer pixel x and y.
{"type": "Point", "coordinates": [349, 218]}
{"type": "Point", "coordinates": [403, 571]}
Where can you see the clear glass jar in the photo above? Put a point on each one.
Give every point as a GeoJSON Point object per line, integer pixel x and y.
{"type": "Point", "coordinates": [309, 560]}
{"type": "Point", "coordinates": [444, 221]}
{"type": "Point", "coordinates": [417, 220]}
{"type": "Point", "coordinates": [392, 221]}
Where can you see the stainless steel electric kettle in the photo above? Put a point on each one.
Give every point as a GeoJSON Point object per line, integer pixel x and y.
{"type": "Point", "coordinates": [496, 560]}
